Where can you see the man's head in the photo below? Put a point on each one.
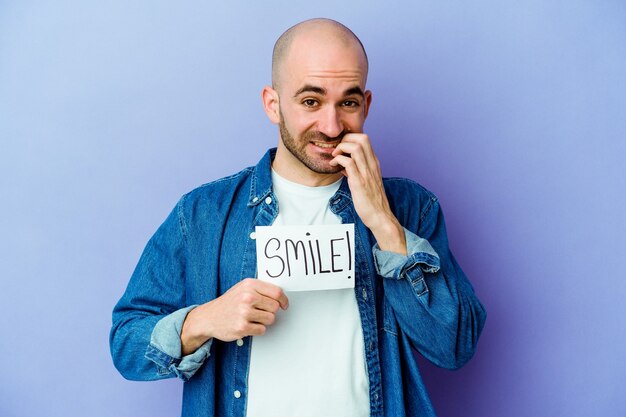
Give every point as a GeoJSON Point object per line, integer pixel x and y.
{"type": "Point", "coordinates": [326, 28]}
{"type": "Point", "coordinates": [319, 71]}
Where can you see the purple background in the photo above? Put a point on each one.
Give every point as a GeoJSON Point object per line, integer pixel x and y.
{"type": "Point", "coordinates": [513, 113]}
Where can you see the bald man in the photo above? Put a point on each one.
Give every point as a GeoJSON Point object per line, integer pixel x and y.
{"type": "Point", "coordinates": [245, 347]}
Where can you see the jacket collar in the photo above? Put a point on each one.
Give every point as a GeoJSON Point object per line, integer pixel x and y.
{"type": "Point", "coordinates": [261, 185]}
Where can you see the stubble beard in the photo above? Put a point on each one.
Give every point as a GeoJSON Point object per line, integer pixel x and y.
{"type": "Point", "coordinates": [297, 147]}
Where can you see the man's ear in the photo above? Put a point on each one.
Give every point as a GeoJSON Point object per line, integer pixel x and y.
{"type": "Point", "coordinates": [271, 104]}
{"type": "Point", "coordinates": [368, 101]}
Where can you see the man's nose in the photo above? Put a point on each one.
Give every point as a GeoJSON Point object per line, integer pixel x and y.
{"type": "Point", "coordinates": [331, 124]}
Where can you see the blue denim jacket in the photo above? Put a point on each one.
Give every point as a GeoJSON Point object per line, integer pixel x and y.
{"type": "Point", "coordinates": [422, 301]}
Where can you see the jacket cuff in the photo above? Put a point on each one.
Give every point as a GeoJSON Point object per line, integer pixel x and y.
{"type": "Point", "coordinates": [419, 253]}
{"type": "Point", "coordinates": [165, 347]}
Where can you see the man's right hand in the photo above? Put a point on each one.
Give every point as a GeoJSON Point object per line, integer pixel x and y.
{"type": "Point", "coordinates": [246, 309]}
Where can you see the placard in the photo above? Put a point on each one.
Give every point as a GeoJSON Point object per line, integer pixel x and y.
{"type": "Point", "coordinates": [305, 258]}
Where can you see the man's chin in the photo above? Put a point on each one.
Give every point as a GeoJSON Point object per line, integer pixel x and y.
{"type": "Point", "coordinates": [325, 168]}
{"type": "Point", "coordinates": [320, 164]}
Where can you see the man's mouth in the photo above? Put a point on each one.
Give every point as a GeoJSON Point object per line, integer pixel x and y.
{"type": "Point", "coordinates": [326, 144]}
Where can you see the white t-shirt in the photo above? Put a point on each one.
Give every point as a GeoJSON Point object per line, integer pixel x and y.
{"type": "Point", "coordinates": [311, 361]}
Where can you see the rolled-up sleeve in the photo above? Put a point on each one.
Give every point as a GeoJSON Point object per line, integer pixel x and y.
{"type": "Point", "coordinates": [421, 257]}
{"type": "Point", "coordinates": [165, 348]}
{"type": "Point", "coordinates": [419, 253]}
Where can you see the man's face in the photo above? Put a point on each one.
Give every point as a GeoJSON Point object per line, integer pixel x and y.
{"type": "Point", "coordinates": [301, 148]}
{"type": "Point", "coordinates": [322, 97]}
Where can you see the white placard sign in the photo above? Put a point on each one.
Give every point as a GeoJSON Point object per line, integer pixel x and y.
{"type": "Point", "coordinates": [305, 258]}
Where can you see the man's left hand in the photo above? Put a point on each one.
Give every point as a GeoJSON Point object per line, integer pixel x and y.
{"type": "Point", "coordinates": [361, 167]}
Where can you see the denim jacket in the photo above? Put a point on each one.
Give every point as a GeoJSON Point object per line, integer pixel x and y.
{"type": "Point", "coordinates": [421, 302]}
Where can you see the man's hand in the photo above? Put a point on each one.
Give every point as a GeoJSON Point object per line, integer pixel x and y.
{"type": "Point", "coordinates": [246, 309]}
{"type": "Point", "coordinates": [362, 169]}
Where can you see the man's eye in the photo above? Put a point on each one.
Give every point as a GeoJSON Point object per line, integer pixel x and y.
{"type": "Point", "coordinates": [309, 102]}
{"type": "Point", "coordinates": [350, 103]}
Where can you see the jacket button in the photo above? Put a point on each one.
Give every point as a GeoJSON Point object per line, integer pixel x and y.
{"type": "Point", "coordinates": [255, 199]}
{"type": "Point", "coordinates": [237, 394]}
{"type": "Point", "coordinates": [239, 342]}
{"type": "Point", "coordinates": [268, 200]}
{"type": "Point", "coordinates": [253, 235]}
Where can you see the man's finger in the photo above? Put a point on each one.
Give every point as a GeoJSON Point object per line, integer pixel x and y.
{"type": "Point", "coordinates": [363, 141]}
{"type": "Point", "coordinates": [272, 291]}
{"type": "Point", "coordinates": [267, 304]}
{"type": "Point", "coordinates": [261, 317]}
{"type": "Point", "coordinates": [348, 164]}
{"type": "Point", "coordinates": [255, 329]}
{"type": "Point", "coordinates": [353, 151]}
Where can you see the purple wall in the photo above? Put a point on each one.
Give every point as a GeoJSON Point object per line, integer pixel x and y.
{"type": "Point", "coordinates": [513, 113]}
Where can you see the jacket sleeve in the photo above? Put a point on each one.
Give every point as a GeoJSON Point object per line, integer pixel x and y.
{"type": "Point", "coordinates": [433, 301]}
{"type": "Point", "coordinates": [147, 320]}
